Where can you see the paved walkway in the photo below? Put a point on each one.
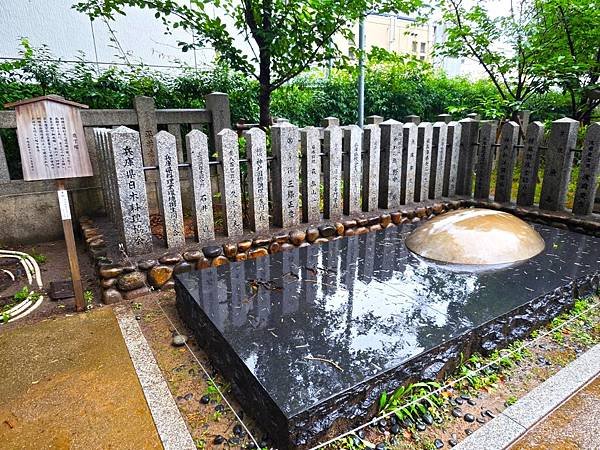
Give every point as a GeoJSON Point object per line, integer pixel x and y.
{"type": "Point", "coordinates": [68, 383]}
{"type": "Point", "coordinates": [575, 425]}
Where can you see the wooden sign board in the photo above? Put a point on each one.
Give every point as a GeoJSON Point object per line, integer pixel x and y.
{"type": "Point", "coordinates": [51, 139]}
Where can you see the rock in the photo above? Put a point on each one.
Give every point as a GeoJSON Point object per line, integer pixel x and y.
{"type": "Point", "coordinates": [471, 402]}
{"type": "Point", "coordinates": [238, 430]}
{"type": "Point", "coordinates": [218, 440]}
{"type": "Point", "coordinates": [361, 230]}
{"type": "Point", "coordinates": [193, 255]}
{"type": "Point", "coordinates": [281, 238]}
{"type": "Point", "coordinates": [275, 247]}
{"type": "Point", "coordinates": [321, 240]}
{"type": "Point", "coordinates": [244, 246]}
{"type": "Point", "coordinates": [452, 442]}
{"type": "Point", "coordinates": [219, 261]}
{"type": "Point", "coordinates": [489, 413]}
{"type": "Point", "coordinates": [361, 434]}
{"type": "Point", "coordinates": [130, 281]}
{"type": "Point", "coordinates": [110, 296]}
{"type": "Point", "coordinates": [385, 220]}
{"type": "Point", "coordinates": [437, 208]}
{"type": "Point", "coordinates": [415, 220]}
{"type": "Point", "coordinates": [349, 232]}
{"type": "Point", "coordinates": [395, 429]}
{"type": "Point", "coordinates": [382, 423]}
{"type": "Point", "coordinates": [205, 399]}
{"type": "Point", "coordinates": [168, 285]}
{"type": "Point", "coordinates": [456, 412]}
{"type": "Point", "coordinates": [202, 263]}
{"type": "Point", "coordinates": [362, 222]}
{"type": "Point", "coordinates": [234, 441]}
{"type": "Point", "coordinates": [188, 396]}
{"type": "Point", "coordinates": [257, 253]}
{"type": "Point", "coordinates": [396, 217]}
{"type": "Point", "coordinates": [147, 264]}
{"type": "Point", "coordinates": [110, 270]}
{"type": "Point", "coordinates": [130, 295]}
{"type": "Point", "coordinates": [297, 237]}
{"type": "Point", "coordinates": [170, 258]}
{"type": "Point", "coordinates": [480, 420]}
{"type": "Point", "coordinates": [241, 257]}
{"type": "Point", "coordinates": [261, 241]}
{"type": "Point", "coordinates": [421, 426]}
{"type": "Point", "coordinates": [304, 244]}
{"type": "Point", "coordinates": [97, 243]}
{"type": "Point", "coordinates": [468, 432]}
{"type": "Point", "coordinates": [312, 234]}
{"type": "Point", "coordinates": [179, 340]}
{"type": "Point", "coordinates": [408, 213]}
{"type": "Point", "coordinates": [349, 223]}
{"type": "Point", "coordinates": [438, 443]}
{"type": "Point", "coordinates": [230, 250]}
{"type": "Point", "coordinates": [212, 251]}
{"type": "Point", "coordinates": [182, 267]}
{"type": "Point", "coordinates": [459, 401]}
{"type": "Point", "coordinates": [106, 283]}
{"type": "Point", "coordinates": [159, 275]}
{"type": "Point", "coordinates": [376, 227]}
{"type": "Point", "coordinates": [286, 247]}
{"type": "Point", "coordinates": [90, 232]}
{"type": "Point", "coordinates": [428, 419]}
{"type": "Point", "coordinates": [380, 446]}
{"type": "Point", "coordinates": [327, 230]}
{"type": "Point", "coordinates": [469, 418]}
{"type": "Point", "coordinates": [339, 228]}
{"type": "Point", "coordinates": [128, 266]}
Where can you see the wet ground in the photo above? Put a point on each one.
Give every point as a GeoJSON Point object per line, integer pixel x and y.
{"type": "Point", "coordinates": [574, 425]}
{"type": "Point", "coordinates": [68, 383]}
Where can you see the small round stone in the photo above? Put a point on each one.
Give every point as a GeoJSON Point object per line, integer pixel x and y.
{"type": "Point", "coordinates": [238, 430]}
{"type": "Point", "coordinates": [179, 340]}
{"type": "Point", "coordinates": [459, 401]}
{"type": "Point", "coordinates": [159, 275]}
{"type": "Point", "coordinates": [261, 241]}
{"type": "Point", "coordinates": [111, 296]}
{"type": "Point", "coordinates": [382, 423]}
{"type": "Point", "coordinates": [469, 418]}
{"type": "Point", "coordinates": [168, 285]}
{"type": "Point", "coordinates": [234, 440]}
{"type": "Point", "coordinates": [380, 446]}
{"type": "Point", "coordinates": [349, 223]}
{"type": "Point", "coordinates": [147, 264]}
{"type": "Point", "coordinates": [218, 440]}
{"type": "Point", "coordinates": [230, 250]}
{"type": "Point", "coordinates": [321, 240]}
{"type": "Point", "coordinates": [438, 443]}
{"type": "Point", "coordinates": [170, 258]}
{"type": "Point", "coordinates": [428, 419]}
{"type": "Point", "coordinates": [110, 270]}
{"type": "Point", "coordinates": [193, 255]}
{"type": "Point", "coordinates": [395, 429]}
{"type": "Point", "coordinates": [205, 399]}
{"type": "Point", "coordinates": [362, 230]}
{"type": "Point", "coordinates": [244, 246]}
{"type": "Point", "coordinates": [489, 413]}
{"type": "Point", "coordinates": [128, 266]}
{"type": "Point", "coordinates": [385, 220]}
{"type": "Point", "coordinates": [327, 230]}
{"type": "Point", "coordinates": [188, 396]}
{"type": "Point", "coordinates": [138, 317]}
{"type": "Point", "coordinates": [275, 247]}
{"type": "Point", "coordinates": [339, 228]}
{"type": "Point", "coordinates": [362, 222]}
{"type": "Point", "coordinates": [456, 412]}
{"type": "Point", "coordinates": [421, 426]}
{"type": "Point", "coordinates": [219, 408]}
{"type": "Point", "coordinates": [130, 281]}
{"type": "Point", "coordinates": [241, 257]}
{"type": "Point", "coordinates": [396, 217]}
{"type": "Point", "coordinates": [219, 261]}
{"type": "Point", "coordinates": [375, 227]}
{"type": "Point", "coordinates": [286, 246]}
{"type": "Point", "coordinates": [361, 434]}
{"type": "Point", "coordinates": [297, 237]}
{"type": "Point", "coordinates": [257, 253]}
{"type": "Point", "coordinates": [281, 238]}
{"type": "Point", "coordinates": [453, 442]}
{"type": "Point", "coordinates": [349, 232]}
{"type": "Point", "coordinates": [212, 251]}
{"type": "Point", "coordinates": [182, 267]}
{"type": "Point", "coordinates": [202, 263]}
{"type": "Point", "coordinates": [312, 234]}
{"type": "Point", "coordinates": [480, 420]}
{"type": "Point", "coordinates": [471, 402]}
{"type": "Point", "coordinates": [468, 432]}
{"type": "Point", "coordinates": [106, 283]}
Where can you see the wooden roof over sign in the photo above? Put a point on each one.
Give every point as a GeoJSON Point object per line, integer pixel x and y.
{"type": "Point", "coordinates": [51, 97]}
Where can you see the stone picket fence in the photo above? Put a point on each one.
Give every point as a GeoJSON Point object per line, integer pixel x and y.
{"type": "Point", "coordinates": [386, 165]}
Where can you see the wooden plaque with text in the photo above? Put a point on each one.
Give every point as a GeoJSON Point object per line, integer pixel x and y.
{"type": "Point", "coordinates": [51, 139]}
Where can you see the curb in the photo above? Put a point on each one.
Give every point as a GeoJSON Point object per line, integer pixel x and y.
{"type": "Point", "coordinates": [171, 427]}
{"type": "Point", "coordinates": [519, 418]}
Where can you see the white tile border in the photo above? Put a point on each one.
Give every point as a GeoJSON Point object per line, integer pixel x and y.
{"type": "Point", "coordinates": [170, 425]}
{"type": "Point", "coordinates": [517, 419]}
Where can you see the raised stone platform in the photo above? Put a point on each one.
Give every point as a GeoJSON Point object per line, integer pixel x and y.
{"type": "Point", "coordinates": [311, 337]}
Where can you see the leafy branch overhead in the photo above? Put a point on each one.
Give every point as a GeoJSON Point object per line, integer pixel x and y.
{"type": "Point", "coordinates": [271, 40]}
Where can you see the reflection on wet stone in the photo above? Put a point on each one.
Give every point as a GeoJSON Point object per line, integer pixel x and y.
{"type": "Point", "coordinates": [370, 308]}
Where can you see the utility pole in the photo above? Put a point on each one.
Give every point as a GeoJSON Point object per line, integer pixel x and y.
{"type": "Point", "coordinates": [361, 71]}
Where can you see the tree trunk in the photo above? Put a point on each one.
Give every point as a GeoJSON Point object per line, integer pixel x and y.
{"type": "Point", "coordinates": [264, 100]}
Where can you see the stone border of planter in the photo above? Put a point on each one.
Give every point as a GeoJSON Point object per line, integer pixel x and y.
{"type": "Point", "coordinates": [517, 419]}
{"type": "Point", "coordinates": [127, 280]}
{"type": "Point", "coordinates": [171, 427]}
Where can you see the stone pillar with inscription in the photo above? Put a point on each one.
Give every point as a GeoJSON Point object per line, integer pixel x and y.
{"type": "Point", "coordinates": [285, 141]}
{"type": "Point", "coordinates": [466, 157]}
{"type": "Point", "coordinates": [409, 163]}
{"type": "Point", "coordinates": [146, 114]}
{"type": "Point", "coordinates": [231, 193]}
{"type": "Point", "coordinates": [310, 147]}
{"type": "Point", "coordinates": [170, 189]}
{"type": "Point", "coordinates": [531, 164]}
{"type": "Point", "coordinates": [585, 193]}
{"type": "Point", "coordinates": [370, 168]}
{"type": "Point", "coordinates": [332, 172]}
{"type": "Point", "coordinates": [4, 176]}
{"type": "Point", "coordinates": [352, 169]}
{"type": "Point", "coordinates": [131, 187]}
{"type": "Point", "coordinates": [423, 166]}
{"type": "Point", "coordinates": [438, 159]}
{"type": "Point", "coordinates": [452, 153]}
{"type": "Point", "coordinates": [258, 177]}
{"type": "Point", "coordinates": [485, 159]}
{"type": "Point", "coordinates": [197, 145]}
{"type": "Point", "coordinates": [390, 164]}
{"type": "Point", "coordinates": [558, 164]}
{"type": "Point", "coordinates": [507, 157]}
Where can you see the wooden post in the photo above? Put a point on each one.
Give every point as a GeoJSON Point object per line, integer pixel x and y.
{"type": "Point", "coordinates": [65, 214]}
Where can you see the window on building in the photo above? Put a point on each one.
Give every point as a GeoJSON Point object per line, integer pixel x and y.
{"type": "Point", "coordinates": [414, 46]}
{"type": "Point", "coordinates": [422, 57]}
{"type": "Point", "coordinates": [422, 47]}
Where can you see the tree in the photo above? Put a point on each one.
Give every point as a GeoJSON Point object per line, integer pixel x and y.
{"type": "Point", "coordinates": [501, 45]}
{"type": "Point", "coordinates": [567, 31]}
{"type": "Point", "coordinates": [285, 36]}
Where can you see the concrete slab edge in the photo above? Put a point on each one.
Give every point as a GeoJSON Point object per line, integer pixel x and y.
{"type": "Point", "coordinates": [517, 419]}
{"type": "Point", "coordinates": [171, 427]}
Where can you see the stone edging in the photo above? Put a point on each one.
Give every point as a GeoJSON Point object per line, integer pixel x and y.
{"type": "Point", "coordinates": [171, 427]}
{"type": "Point", "coordinates": [128, 279]}
{"type": "Point", "coordinates": [517, 419]}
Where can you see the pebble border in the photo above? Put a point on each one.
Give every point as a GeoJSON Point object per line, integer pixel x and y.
{"type": "Point", "coordinates": [127, 280]}
{"type": "Point", "coordinates": [171, 427]}
{"type": "Point", "coordinates": [517, 419]}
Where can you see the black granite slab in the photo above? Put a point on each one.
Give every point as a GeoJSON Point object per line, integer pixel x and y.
{"type": "Point", "coordinates": [380, 315]}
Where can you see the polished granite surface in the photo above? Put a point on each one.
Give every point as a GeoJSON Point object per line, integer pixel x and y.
{"type": "Point", "coordinates": [311, 323]}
